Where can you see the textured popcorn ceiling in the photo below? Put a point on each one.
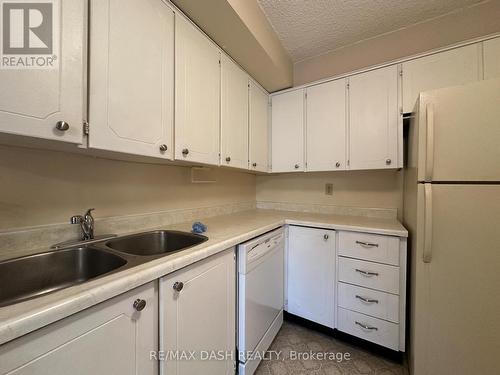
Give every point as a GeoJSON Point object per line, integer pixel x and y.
{"type": "Point", "coordinates": [311, 27]}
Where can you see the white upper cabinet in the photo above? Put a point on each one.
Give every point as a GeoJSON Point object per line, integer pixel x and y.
{"type": "Point", "coordinates": [131, 82]}
{"type": "Point", "coordinates": [491, 57]}
{"type": "Point", "coordinates": [326, 123]}
{"type": "Point", "coordinates": [48, 102]}
{"type": "Point", "coordinates": [287, 137]}
{"type": "Point", "coordinates": [197, 94]}
{"type": "Point", "coordinates": [375, 127]}
{"type": "Point", "coordinates": [234, 115]}
{"type": "Point", "coordinates": [259, 130]}
{"type": "Point", "coordinates": [455, 67]}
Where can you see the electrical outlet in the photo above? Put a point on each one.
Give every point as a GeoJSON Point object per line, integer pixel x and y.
{"type": "Point", "coordinates": [329, 189]}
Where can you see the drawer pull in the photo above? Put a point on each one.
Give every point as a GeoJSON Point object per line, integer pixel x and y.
{"type": "Point", "coordinates": [367, 244]}
{"type": "Point", "coordinates": [367, 300]}
{"type": "Point", "coordinates": [367, 273]}
{"type": "Point", "coordinates": [366, 326]}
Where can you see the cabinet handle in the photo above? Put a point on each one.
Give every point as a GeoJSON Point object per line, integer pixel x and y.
{"type": "Point", "coordinates": [185, 152]}
{"type": "Point", "coordinates": [366, 326]}
{"type": "Point", "coordinates": [228, 159]}
{"type": "Point", "coordinates": [367, 273]}
{"type": "Point", "coordinates": [254, 164]}
{"type": "Point", "coordinates": [367, 244]}
{"type": "Point", "coordinates": [296, 166]}
{"type": "Point", "coordinates": [367, 300]}
{"type": "Point", "coordinates": [139, 304]}
{"type": "Point", "coordinates": [429, 161]}
{"type": "Point", "coordinates": [178, 285]}
{"type": "Point", "coordinates": [326, 237]}
{"type": "Point", "coordinates": [62, 126]}
{"type": "Point", "coordinates": [388, 161]}
{"type": "Point", "coordinates": [337, 164]}
{"type": "Point", "coordinates": [427, 256]}
{"type": "Point", "coordinates": [163, 148]}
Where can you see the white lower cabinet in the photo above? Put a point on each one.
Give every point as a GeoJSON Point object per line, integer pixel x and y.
{"type": "Point", "coordinates": [371, 287]}
{"type": "Point", "coordinates": [368, 328]}
{"type": "Point", "coordinates": [357, 286]}
{"type": "Point", "coordinates": [311, 274]}
{"type": "Point", "coordinates": [198, 315]}
{"type": "Point", "coordinates": [112, 337]}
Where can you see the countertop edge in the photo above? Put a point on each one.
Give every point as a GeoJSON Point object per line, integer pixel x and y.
{"type": "Point", "coordinates": [58, 307]}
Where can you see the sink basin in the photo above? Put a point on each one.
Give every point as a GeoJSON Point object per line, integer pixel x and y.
{"type": "Point", "coordinates": [39, 274]}
{"type": "Point", "coordinates": [156, 242]}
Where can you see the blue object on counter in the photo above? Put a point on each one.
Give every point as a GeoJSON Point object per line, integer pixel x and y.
{"type": "Point", "coordinates": [199, 227]}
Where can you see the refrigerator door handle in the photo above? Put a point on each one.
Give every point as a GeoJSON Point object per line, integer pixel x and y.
{"type": "Point", "coordinates": [428, 223]}
{"type": "Point", "coordinates": [429, 161]}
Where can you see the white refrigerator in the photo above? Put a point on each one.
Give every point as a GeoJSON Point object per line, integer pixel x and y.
{"type": "Point", "coordinates": [452, 212]}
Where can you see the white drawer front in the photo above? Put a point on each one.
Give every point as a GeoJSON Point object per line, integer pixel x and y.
{"type": "Point", "coordinates": [369, 328]}
{"type": "Point", "coordinates": [370, 302]}
{"type": "Point", "coordinates": [378, 248]}
{"type": "Point", "coordinates": [371, 275]}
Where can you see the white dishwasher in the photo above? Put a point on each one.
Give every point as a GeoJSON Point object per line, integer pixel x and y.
{"type": "Point", "coordinates": [260, 296]}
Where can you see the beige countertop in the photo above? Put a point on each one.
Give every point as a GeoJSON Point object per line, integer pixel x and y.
{"type": "Point", "coordinates": [223, 232]}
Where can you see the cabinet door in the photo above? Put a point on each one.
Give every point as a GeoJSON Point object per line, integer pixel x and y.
{"type": "Point", "coordinates": [310, 274]}
{"type": "Point", "coordinates": [259, 130]}
{"type": "Point", "coordinates": [375, 126]}
{"type": "Point", "coordinates": [234, 115]}
{"type": "Point", "coordinates": [197, 93]}
{"type": "Point", "coordinates": [109, 338]}
{"type": "Point", "coordinates": [33, 100]}
{"type": "Point", "coordinates": [451, 68]}
{"type": "Point", "coordinates": [288, 132]}
{"type": "Point", "coordinates": [131, 82]}
{"type": "Point", "coordinates": [491, 58]}
{"type": "Point", "coordinates": [326, 126]}
{"type": "Point", "coordinates": [200, 316]}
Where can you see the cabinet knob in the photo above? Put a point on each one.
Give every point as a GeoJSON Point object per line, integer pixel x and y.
{"type": "Point", "coordinates": [139, 304]}
{"type": "Point", "coordinates": [254, 164]}
{"type": "Point", "coordinates": [62, 126]}
{"type": "Point", "coordinates": [163, 148]}
{"type": "Point", "coordinates": [337, 164]}
{"type": "Point", "coordinates": [326, 237]}
{"type": "Point", "coordinates": [388, 161]}
{"type": "Point", "coordinates": [185, 152]}
{"type": "Point", "coordinates": [297, 166]}
{"type": "Point", "coordinates": [178, 285]}
{"type": "Point", "coordinates": [228, 159]}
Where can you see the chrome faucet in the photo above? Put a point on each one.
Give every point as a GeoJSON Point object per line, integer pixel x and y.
{"type": "Point", "coordinates": [86, 224]}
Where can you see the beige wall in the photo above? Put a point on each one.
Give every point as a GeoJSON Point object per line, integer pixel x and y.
{"type": "Point", "coordinates": [366, 189]}
{"type": "Point", "coordinates": [41, 187]}
{"type": "Point", "coordinates": [465, 24]}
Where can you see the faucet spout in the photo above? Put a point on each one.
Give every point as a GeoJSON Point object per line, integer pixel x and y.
{"type": "Point", "coordinates": [86, 224]}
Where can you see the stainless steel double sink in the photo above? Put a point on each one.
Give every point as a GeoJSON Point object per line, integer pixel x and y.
{"type": "Point", "coordinates": [36, 275]}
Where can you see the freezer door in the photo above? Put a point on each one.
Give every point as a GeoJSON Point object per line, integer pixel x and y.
{"type": "Point", "coordinates": [459, 133]}
{"type": "Point", "coordinates": [456, 291]}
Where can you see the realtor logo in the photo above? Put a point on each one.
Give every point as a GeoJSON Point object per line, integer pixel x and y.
{"type": "Point", "coordinates": [29, 30]}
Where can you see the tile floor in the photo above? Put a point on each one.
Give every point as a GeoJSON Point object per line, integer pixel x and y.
{"type": "Point", "coordinates": [294, 338]}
